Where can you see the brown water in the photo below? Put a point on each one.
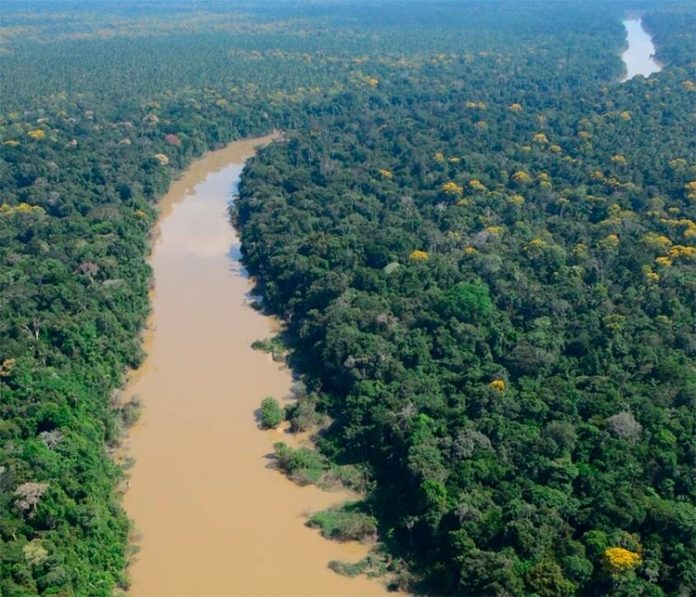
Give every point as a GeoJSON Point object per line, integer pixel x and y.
{"type": "Point", "coordinates": [214, 519]}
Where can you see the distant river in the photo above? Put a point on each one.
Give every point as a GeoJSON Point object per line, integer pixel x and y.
{"type": "Point", "coordinates": [638, 57]}
{"type": "Point", "coordinates": [214, 519]}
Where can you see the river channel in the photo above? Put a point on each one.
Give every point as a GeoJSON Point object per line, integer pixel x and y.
{"type": "Point", "coordinates": [212, 517]}
{"type": "Point", "coordinates": [639, 56]}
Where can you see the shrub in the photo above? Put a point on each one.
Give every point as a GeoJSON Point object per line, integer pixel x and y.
{"type": "Point", "coordinates": [271, 413]}
{"type": "Point", "coordinates": [302, 465]}
{"type": "Point", "coordinates": [348, 522]}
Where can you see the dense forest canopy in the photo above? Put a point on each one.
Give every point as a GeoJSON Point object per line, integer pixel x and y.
{"type": "Point", "coordinates": [483, 243]}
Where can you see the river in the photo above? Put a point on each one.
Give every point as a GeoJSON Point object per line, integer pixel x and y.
{"type": "Point", "coordinates": [212, 516]}
{"type": "Point", "coordinates": [639, 55]}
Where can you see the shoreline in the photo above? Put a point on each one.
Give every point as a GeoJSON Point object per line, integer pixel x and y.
{"type": "Point", "coordinates": [184, 183]}
{"type": "Point", "coordinates": [198, 350]}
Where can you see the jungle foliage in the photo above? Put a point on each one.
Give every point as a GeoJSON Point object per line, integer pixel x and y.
{"type": "Point", "coordinates": [482, 243]}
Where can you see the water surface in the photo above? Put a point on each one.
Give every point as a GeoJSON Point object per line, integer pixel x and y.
{"type": "Point", "coordinates": [639, 55]}
{"type": "Point", "coordinates": [213, 518]}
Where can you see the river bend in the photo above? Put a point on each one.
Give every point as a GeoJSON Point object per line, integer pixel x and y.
{"type": "Point", "coordinates": [213, 518]}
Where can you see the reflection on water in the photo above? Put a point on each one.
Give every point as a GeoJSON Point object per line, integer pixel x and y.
{"type": "Point", "coordinates": [638, 57]}
{"type": "Point", "coordinates": [213, 517]}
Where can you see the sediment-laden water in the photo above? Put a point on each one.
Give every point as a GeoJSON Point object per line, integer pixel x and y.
{"type": "Point", "coordinates": [213, 518]}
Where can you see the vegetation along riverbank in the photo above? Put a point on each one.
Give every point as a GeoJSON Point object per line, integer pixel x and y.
{"type": "Point", "coordinates": [481, 242]}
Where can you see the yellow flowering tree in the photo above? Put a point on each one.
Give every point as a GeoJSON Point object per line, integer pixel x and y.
{"type": "Point", "coordinates": [609, 242]}
{"type": "Point", "coordinates": [682, 252]}
{"type": "Point", "coordinates": [521, 177]}
{"type": "Point", "coordinates": [677, 163]}
{"type": "Point", "coordinates": [22, 208]}
{"type": "Point", "coordinates": [6, 367]}
{"type": "Point", "coordinates": [452, 189]}
{"type": "Point", "coordinates": [650, 276]}
{"type": "Point", "coordinates": [498, 385]}
{"type": "Point", "coordinates": [690, 188]}
{"type": "Point", "coordinates": [536, 246]}
{"type": "Point", "coordinates": [418, 255]}
{"type": "Point", "coordinates": [477, 185]}
{"type": "Point", "coordinates": [598, 175]}
{"type": "Point", "coordinates": [657, 241]}
{"type": "Point", "coordinates": [620, 559]}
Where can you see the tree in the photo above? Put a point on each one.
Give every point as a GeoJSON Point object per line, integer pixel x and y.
{"type": "Point", "coordinates": [29, 495]}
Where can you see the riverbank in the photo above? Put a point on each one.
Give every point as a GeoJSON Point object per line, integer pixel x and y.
{"type": "Point", "coordinates": [213, 517]}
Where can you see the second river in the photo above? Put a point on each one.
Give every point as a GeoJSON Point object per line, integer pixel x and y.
{"type": "Point", "coordinates": [639, 55]}
{"type": "Point", "coordinates": [213, 518]}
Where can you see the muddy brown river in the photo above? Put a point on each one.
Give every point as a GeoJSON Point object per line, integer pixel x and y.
{"type": "Point", "coordinates": [213, 518]}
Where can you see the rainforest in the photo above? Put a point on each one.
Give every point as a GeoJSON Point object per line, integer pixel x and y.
{"type": "Point", "coordinates": [478, 235]}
